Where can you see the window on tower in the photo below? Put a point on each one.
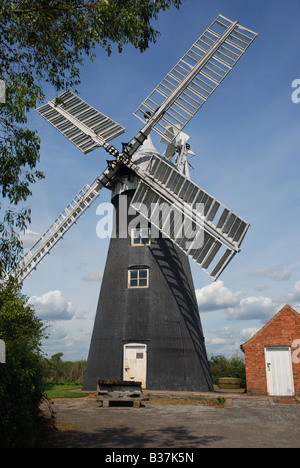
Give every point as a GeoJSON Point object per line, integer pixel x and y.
{"type": "Point", "coordinates": [138, 278]}
{"type": "Point", "coordinates": [140, 237]}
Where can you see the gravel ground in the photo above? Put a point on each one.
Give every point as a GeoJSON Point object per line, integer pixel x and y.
{"type": "Point", "coordinates": [244, 422]}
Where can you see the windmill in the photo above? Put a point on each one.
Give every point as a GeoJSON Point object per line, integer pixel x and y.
{"type": "Point", "coordinates": [147, 325]}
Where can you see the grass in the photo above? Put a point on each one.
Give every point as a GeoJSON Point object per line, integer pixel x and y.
{"type": "Point", "coordinates": [64, 390]}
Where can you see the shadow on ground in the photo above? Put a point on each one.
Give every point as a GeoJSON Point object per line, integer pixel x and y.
{"type": "Point", "coordinates": [125, 437]}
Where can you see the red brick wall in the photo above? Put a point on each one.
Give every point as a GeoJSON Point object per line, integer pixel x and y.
{"type": "Point", "coordinates": [282, 330]}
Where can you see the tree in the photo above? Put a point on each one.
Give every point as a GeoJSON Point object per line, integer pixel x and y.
{"type": "Point", "coordinates": [47, 41]}
{"type": "Point", "coordinates": [220, 366]}
{"type": "Point", "coordinates": [57, 357]}
{"type": "Point", "coordinates": [22, 376]}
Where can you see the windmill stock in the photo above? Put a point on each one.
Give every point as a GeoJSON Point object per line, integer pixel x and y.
{"type": "Point", "coordinates": [149, 329]}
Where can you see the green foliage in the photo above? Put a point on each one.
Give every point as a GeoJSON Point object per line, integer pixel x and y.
{"type": "Point", "coordinates": [221, 401]}
{"type": "Point", "coordinates": [47, 41]}
{"type": "Point", "coordinates": [220, 366]}
{"type": "Point", "coordinates": [64, 390]}
{"type": "Point", "coordinates": [57, 357]}
{"type": "Point", "coordinates": [59, 371]}
{"type": "Point", "coordinates": [21, 378]}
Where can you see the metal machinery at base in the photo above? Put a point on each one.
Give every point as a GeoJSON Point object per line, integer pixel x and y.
{"type": "Point", "coordinates": [147, 326]}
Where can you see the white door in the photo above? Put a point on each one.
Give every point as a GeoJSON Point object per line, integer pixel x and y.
{"type": "Point", "coordinates": [279, 371]}
{"type": "Point", "coordinates": [135, 363]}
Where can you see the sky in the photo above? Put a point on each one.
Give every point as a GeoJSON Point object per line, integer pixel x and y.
{"type": "Point", "coordinates": [246, 139]}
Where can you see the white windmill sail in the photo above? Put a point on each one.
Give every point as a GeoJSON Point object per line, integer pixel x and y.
{"type": "Point", "coordinates": [196, 76]}
{"type": "Point", "coordinates": [69, 216]}
{"type": "Point", "coordinates": [172, 103]}
{"type": "Point", "coordinates": [221, 230]}
{"type": "Point", "coordinates": [171, 106]}
{"type": "Point", "coordinates": [84, 126]}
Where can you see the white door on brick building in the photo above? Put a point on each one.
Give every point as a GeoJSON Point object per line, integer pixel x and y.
{"type": "Point", "coordinates": [280, 381]}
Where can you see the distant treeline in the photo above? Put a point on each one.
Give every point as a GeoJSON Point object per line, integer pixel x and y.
{"type": "Point", "coordinates": [59, 371]}
{"type": "Point", "coordinates": [220, 366]}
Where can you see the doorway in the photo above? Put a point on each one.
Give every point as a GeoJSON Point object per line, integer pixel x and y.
{"type": "Point", "coordinates": [135, 363]}
{"type": "Point", "coordinates": [280, 381]}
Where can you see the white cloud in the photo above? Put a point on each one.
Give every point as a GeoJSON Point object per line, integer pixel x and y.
{"type": "Point", "coordinates": [251, 308]}
{"type": "Point", "coordinates": [57, 339]}
{"type": "Point", "coordinates": [261, 287]}
{"type": "Point", "coordinates": [29, 238]}
{"type": "Point", "coordinates": [272, 273]}
{"type": "Point", "coordinates": [52, 306]}
{"type": "Point", "coordinates": [218, 341]}
{"type": "Point", "coordinates": [216, 296]}
{"type": "Point", "coordinates": [247, 333]}
{"type": "Point", "coordinates": [58, 334]}
{"type": "Point", "coordinates": [225, 340]}
{"type": "Point", "coordinates": [97, 276]}
{"type": "Point", "coordinates": [73, 342]}
{"type": "Point", "coordinates": [296, 307]}
{"type": "Point", "coordinates": [236, 306]}
{"type": "Point", "coordinates": [295, 294]}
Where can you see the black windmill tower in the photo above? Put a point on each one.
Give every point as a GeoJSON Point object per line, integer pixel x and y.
{"type": "Point", "coordinates": [147, 325]}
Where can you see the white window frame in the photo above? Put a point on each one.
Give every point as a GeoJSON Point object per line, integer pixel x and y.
{"type": "Point", "coordinates": [143, 233]}
{"type": "Point", "coordinates": [138, 278]}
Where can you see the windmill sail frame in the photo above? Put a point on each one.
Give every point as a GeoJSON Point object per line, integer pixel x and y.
{"type": "Point", "coordinates": [220, 239]}
{"type": "Point", "coordinates": [184, 90]}
{"type": "Point", "coordinates": [67, 218]}
{"type": "Point", "coordinates": [82, 124]}
{"type": "Point", "coordinates": [172, 104]}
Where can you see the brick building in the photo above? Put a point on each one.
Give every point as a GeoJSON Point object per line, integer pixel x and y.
{"type": "Point", "coordinates": [272, 356]}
